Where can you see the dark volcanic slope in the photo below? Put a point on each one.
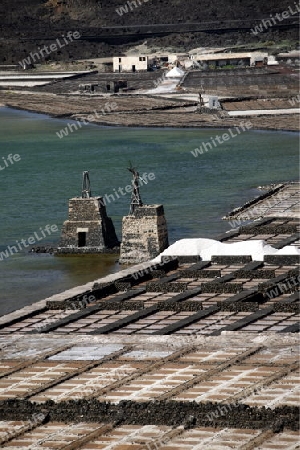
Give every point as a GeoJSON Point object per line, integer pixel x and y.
{"type": "Point", "coordinates": [26, 24]}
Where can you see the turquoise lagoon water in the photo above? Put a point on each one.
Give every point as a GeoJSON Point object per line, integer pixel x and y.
{"type": "Point", "coordinates": [195, 192]}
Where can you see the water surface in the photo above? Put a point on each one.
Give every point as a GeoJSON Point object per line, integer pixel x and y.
{"type": "Point", "coordinates": [195, 192]}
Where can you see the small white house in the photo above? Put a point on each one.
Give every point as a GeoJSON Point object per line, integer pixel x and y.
{"type": "Point", "coordinates": [173, 57]}
{"type": "Point", "coordinates": [213, 102]}
{"type": "Point", "coordinates": [135, 63]}
{"type": "Point", "coordinates": [272, 61]}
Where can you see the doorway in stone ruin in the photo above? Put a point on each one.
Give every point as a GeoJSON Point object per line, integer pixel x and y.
{"type": "Point", "coordinates": [81, 239]}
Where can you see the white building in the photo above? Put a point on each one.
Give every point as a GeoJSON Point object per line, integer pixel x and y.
{"type": "Point", "coordinates": [136, 63]}
{"type": "Point", "coordinates": [173, 57]}
{"type": "Point", "coordinates": [213, 102]}
{"type": "Point", "coordinates": [224, 59]}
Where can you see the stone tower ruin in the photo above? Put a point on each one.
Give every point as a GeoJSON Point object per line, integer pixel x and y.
{"type": "Point", "coordinates": [88, 228]}
{"type": "Point", "coordinates": [144, 230]}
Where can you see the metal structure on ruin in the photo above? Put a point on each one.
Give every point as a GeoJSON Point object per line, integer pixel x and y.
{"type": "Point", "coordinates": [135, 196]}
{"type": "Point", "coordinates": [86, 185]}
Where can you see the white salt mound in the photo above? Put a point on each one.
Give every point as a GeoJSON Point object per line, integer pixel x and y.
{"type": "Point", "coordinates": [175, 73]}
{"type": "Point", "coordinates": [206, 248]}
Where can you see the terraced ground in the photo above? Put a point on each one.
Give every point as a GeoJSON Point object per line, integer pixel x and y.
{"type": "Point", "coordinates": [182, 354]}
{"type": "Point", "coordinates": [69, 392]}
{"type": "Point", "coordinates": [240, 89]}
{"type": "Point", "coordinates": [138, 111]}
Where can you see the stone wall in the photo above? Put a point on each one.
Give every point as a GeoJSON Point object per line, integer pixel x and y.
{"type": "Point", "coordinates": [162, 412]}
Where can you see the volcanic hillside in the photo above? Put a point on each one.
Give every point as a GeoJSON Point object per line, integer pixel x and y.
{"type": "Point", "coordinates": [105, 29]}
